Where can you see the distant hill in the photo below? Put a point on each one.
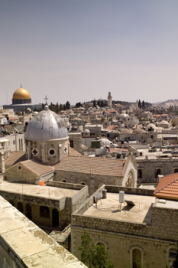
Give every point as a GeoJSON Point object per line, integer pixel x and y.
{"type": "Point", "coordinates": [167, 103]}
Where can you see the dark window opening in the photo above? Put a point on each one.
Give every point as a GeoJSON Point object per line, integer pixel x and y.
{"type": "Point", "coordinates": [44, 212]}
{"type": "Point", "coordinates": [157, 172]}
{"type": "Point", "coordinates": [71, 143]}
{"type": "Point", "coordinates": [51, 151]}
{"type": "Point", "coordinates": [139, 173]}
{"type": "Point", "coordinates": [28, 211]}
{"type": "Point", "coordinates": [136, 257]}
{"type": "Point", "coordinates": [20, 207]}
{"type": "Point", "coordinates": [55, 218]}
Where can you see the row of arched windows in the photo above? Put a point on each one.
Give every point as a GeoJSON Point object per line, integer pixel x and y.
{"type": "Point", "coordinates": [44, 212]}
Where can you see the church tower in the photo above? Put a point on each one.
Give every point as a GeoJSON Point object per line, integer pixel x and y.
{"type": "Point", "coordinates": [109, 100]}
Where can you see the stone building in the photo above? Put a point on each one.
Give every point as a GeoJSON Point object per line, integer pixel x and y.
{"type": "Point", "coordinates": [150, 167]}
{"type": "Point", "coordinates": [141, 233]}
{"type": "Point", "coordinates": [109, 100]}
{"type": "Point", "coordinates": [25, 245]}
{"type": "Point", "coordinates": [21, 100]}
{"type": "Point", "coordinates": [95, 171]}
{"type": "Point", "coordinates": [49, 206]}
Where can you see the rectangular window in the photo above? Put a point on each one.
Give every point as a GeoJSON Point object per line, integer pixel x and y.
{"type": "Point", "coordinates": [172, 254]}
{"type": "Point", "coordinates": [71, 143]}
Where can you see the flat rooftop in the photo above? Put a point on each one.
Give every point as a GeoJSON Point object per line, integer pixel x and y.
{"type": "Point", "coordinates": [164, 203]}
{"type": "Point", "coordinates": [37, 190]}
{"type": "Point", "coordinates": [109, 208]}
{"type": "Point", "coordinates": [28, 244]}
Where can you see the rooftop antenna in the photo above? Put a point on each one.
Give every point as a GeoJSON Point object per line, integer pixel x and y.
{"type": "Point", "coordinates": [46, 99]}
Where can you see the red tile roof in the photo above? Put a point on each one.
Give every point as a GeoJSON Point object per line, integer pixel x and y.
{"type": "Point", "coordinates": [167, 187]}
{"type": "Point", "coordinates": [112, 111]}
{"type": "Point", "coordinates": [93, 165]}
{"type": "Point", "coordinates": [74, 152]}
{"type": "Point", "coordinates": [36, 167]}
{"type": "Point", "coordinates": [112, 127]}
{"type": "Point", "coordinates": [14, 158]}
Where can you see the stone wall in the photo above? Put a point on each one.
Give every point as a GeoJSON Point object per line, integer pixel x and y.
{"type": "Point", "coordinates": [19, 173]}
{"type": "Point", "coordinates": [154, 252]}
{"type": "Point", "coordinates": [149, 167]}
{"type": "Point", "coordinates": [43, 147]}
{"type": "Point", "coordinates": [120, 237]}
{"type": "Point", "coordinates": [65, 185]}
{"type": "Point", "coordinates": [93, 181]}
{"type": "Point", "coordinates": [161, 226]}
{"type": "Point", "coordinates": [76, 139]}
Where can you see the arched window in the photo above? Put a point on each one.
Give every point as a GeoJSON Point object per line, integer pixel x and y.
{"type": "Point", "coordinates": [28, 211]}
{"type": "Point", "coordinates": [172, 253]}
{"type": "Point", "coordinates": [176, 170]}
{"type": "Point", "coordinates": [157, 172]}
{"type": "Point", "coordinates": [55, 214]}
{"type": "Point", "coordinates": [100, 244]}
{"type": "Point", "coordinates": [136, 258]}
{"type": "Point", "coordinates": [44, 212]}
{"type": "Point", "coordinates": [139, 173]}
{"type": "Point", "coordinates": [20, 207]}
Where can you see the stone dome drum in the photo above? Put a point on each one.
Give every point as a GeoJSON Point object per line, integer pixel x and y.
{"type": "Point", "coordinates": [46, 125]}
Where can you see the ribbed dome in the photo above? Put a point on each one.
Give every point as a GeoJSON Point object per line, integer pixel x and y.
{"type": "Point", "coordinates": [21, 94]}
{"type": "Point", "coordinates": [46, 125]}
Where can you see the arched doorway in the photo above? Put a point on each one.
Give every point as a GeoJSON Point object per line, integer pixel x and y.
{"type": "Point", "coordinates": [20, 207]}
{"type": "Point", "coordinates": [28, 211]}
{"type": "Point", "coordinates": [55, 214]}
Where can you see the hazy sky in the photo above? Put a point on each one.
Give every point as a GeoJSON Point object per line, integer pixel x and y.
{"type": "Point", "coordinates": [78, 50]}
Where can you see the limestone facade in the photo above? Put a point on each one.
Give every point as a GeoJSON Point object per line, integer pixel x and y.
{"type": "Point", "coordinates": [47, 211]}
{"type": "Point", "coordinates": [156, 240]}
{"type": "Point", "coordinates": [48, 152]}
{"type": "Point", "coordinates": [149, 169]}
{"type": "Point", "coordinates": [75, 141]}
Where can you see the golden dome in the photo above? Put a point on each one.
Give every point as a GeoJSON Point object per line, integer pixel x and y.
{"type": "Point", "coordinates": [21, 94]}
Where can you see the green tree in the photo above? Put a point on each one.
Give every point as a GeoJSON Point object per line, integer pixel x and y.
{"type": "Point", "coordinates": [67, 105]}
{"type": "Point", "coordinates": [139, 104]}
{"type": "Point", "coordinates": [94, 256]}
{"type": "Point", "coordinates": [143, 104]}
{"type": "Point", "coordinates": [94, 103]}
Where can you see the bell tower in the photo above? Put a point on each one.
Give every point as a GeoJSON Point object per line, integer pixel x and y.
{"type": "Point", "coordinates": [109, 100]}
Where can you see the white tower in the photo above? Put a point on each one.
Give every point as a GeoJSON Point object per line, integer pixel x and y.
{"type": "Point", "coordinates": [109, 100]}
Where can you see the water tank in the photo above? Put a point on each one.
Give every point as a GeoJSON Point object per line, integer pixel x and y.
{"type": "Point", "coordinates": [104, 193]}
{"type": "Point", "coordinates": [121, 197]}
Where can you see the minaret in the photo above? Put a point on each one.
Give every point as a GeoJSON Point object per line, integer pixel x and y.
{"type": "Point", "coordinates": [109, 100]}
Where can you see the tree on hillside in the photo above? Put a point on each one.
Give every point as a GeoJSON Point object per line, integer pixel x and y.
{"type": "Point", "coordinates": [139, 104]}
{"type": "Point", "coordinates": [143, 104]}
{"type": "Point", "coordinates": [78, 104]}
{"type": "Point", "coordinates": [94, 256]}
{"type": "Point", "coordinates": [94, 103]}
{"type": "Point", "coordinates": [67, 105]}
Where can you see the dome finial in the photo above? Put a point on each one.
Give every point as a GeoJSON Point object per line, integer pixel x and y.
{"type": "Point", "coordinates": [46, 108]}
{"type": "Point", "coordinates": [20, 85]}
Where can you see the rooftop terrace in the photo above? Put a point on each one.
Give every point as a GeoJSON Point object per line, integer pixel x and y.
{"type": "Point", "coordinates": [109, 208]}
{"type": "Point", "coordinates": [37, 190]}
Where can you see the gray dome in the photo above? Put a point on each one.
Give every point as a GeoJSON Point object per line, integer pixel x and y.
{"type": "Point", "coordinates": [46, 125]}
